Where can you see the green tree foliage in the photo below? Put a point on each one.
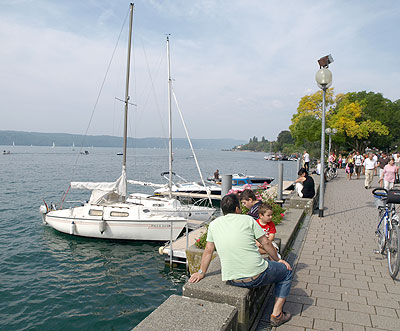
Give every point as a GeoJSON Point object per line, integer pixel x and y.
{"type": "Point", "coordinates": [361, 119]}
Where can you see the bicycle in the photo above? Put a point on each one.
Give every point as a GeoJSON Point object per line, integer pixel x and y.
{"type": "Point", "coordinates": [387, 231]}
{"type": "Point", "coordinates": [331, 171]}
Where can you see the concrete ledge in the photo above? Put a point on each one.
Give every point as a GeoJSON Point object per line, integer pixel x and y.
{"type": "Point", "coordinates": [182, 313]}
{"type": "Point", "coordinates": [211, 288]}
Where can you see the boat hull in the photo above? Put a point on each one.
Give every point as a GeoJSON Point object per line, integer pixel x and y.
{"type": "Point", "coordinates": [118, 229]}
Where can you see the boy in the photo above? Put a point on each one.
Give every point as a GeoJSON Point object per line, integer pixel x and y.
{"type": "Point", "coordinates": [249, 200]}
{"type": "Point", "coordinates": [265, 221]}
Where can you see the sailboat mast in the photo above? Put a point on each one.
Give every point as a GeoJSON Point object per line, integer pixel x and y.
{"type": "Point", "coordinates": [128, 68]}
{"type": "Point", "coordinates": [169, 121]}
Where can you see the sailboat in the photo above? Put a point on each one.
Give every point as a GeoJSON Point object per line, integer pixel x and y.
{"type": "Point", "coordinates": [168, 204]}
{"type": "Point", "coordinates": [73, 146]}
{"type": "Point", "coordinates": [108, 214]}
{"type": "Point", "coordinates": [54, 145]}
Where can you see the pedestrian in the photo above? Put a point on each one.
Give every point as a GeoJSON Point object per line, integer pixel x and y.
{"type": "Point", "coordinates": [382, 161]}
{"type": "Point", "coordinates": [389, 174]}
{"type": "Point", "coordinates": [306, 159]}
{"type": "Point", "coordinates": [358, 161]}
{"type": "Point", "coordinates": [369, 165]}
{"type": "Point", "coordinates": [340, 161]}
{"type": "Point", "coordinates": [349, 166]}
{"type": "Point", "coordinates": [234, 237]}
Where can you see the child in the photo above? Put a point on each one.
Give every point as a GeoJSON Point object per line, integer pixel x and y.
{"type": "Point", "coordinates": [265, 221]}
{"type": "Point", "coordinates": [249, 200]}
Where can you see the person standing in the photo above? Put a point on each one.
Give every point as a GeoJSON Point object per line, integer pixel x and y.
{"type": "Point", "coordinates": [306, 159]}
{"type": "Point", "coordinates": [358, 161]}
{"type": "Point", "coordinates": [389, 174]}
{"type": "Point", "coordinates": [369, 165]}
{"type": "Point", "coordinates": [382, 161]}
{"type": "Point", "coordinates": [349, 166]}
{"type": "Point", "coordinates": [234, 237]}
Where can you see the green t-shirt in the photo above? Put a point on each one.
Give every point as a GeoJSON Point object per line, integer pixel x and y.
{"type": "Point", "coordinates": [234, 238]}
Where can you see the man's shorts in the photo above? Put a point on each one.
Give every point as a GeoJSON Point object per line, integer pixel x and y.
{"type": "Point", "coordinates": [358, 169]}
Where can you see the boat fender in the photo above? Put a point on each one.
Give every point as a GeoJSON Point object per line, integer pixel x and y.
{"type": "Point", "coordinates": [161, 250]}
{"type": "Point", "coordinates": [72, 228]}
{"type": "Point", "coordinates": [102, 226]}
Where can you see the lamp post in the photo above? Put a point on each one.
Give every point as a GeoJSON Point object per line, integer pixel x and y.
{"type": "Point", "coordinates": [324, 81]}
{"type": "Point", "coordinates": [330, 132]}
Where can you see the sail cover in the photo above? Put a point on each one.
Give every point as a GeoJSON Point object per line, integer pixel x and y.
{"type": "Point", "coordinates": [101, 188]}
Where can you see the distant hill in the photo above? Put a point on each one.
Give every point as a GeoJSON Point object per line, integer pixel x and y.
{"type": "Point", "coordinates": [21, 138]}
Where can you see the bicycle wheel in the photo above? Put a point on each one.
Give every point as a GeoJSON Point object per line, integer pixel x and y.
{"type": "Point", "coordinates": [393, 249]}
{"type": "Point", "coordinates": [380, 232]}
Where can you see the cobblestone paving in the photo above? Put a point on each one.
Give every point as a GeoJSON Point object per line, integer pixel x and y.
{"type": "Point", "coordinates": [340, 283]}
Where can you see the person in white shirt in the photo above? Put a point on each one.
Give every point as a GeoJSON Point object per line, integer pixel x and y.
{"type": "Point", "coordinates": [358, 161]}
{"type": "Point", "coordinates": [375, 157]}
{"type": "Point", "coordinates": [370, 166]}
{"type": "Point", "coordinates": [306, 158]}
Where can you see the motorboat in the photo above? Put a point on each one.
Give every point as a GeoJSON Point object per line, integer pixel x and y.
{"type": "Point", "coordinates": [242, 179]}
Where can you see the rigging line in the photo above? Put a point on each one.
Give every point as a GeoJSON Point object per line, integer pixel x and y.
{"type": "Point", "coordinates": [97, 100]}
{"type": "Point", "coordinates": [153, 88]}
{"type": "Point", "coordinates": [191, 146]}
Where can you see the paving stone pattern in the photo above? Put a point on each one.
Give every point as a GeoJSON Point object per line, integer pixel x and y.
{"type": "Point", "coordinates": [340, 283]}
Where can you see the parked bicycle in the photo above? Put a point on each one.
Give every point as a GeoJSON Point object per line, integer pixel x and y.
{"type": "Point", "coordinates": [387, 231]}
{"type": "Point", "coordinates": [331, 171]}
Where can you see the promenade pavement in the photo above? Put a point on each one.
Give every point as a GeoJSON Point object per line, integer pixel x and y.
{"type": "Point", "coordinates": [340, 283]}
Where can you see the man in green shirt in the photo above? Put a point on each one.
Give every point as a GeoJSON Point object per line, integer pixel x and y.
{"type": "Point", "coordinates": [233, 235]}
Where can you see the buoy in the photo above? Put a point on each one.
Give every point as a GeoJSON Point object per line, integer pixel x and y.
{"type": "Point", "coordinates": [161, 250]}
{"type": "Point", "coordinates": [102, 226]}
{"type": "Point", "coordinates": [72, 228]}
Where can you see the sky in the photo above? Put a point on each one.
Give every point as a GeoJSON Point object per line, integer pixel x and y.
{"type": "Point", "coordinates": [239, 68]}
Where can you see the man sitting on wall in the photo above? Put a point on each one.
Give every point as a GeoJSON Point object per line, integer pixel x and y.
{"type": "Point", "coordinates": [233, 235]}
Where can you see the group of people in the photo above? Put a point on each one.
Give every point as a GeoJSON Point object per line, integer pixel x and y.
{"type": "Point", "coordinates": [240, 252]}
{"type": "Point", "coordinates": [369, 164]}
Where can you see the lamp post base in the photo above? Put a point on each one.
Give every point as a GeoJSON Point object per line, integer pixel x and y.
{"type": "Point", "coordinates": [321, 213]}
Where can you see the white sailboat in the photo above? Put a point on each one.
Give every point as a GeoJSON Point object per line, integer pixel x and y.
{"type": "Point", "coordinates": [168, 204]}
{"type": "Point", "coordinates": [108, 214]}
{"type": "Point", "coordinates": [73, 146]}
{"type": "Point", "coordinates": [54, 145]}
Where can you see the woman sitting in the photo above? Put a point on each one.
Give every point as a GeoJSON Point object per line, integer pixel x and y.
{"type": "Point", "coordinates": [305, 184]}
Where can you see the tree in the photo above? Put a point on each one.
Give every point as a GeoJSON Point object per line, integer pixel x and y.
{"type": "Point", "coordinates": [354, 123]}
{"type": "Point", "coordinates": [284, 137]}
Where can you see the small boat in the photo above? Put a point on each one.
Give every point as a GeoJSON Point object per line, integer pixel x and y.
{"type": "Point", "coordinates": [242, 179]}
{"type": "Point", "coordinates": [54, 145]}
{"type": "Point", "coordinates": [6, 152]}
{"type": "Point", "coordinates": [85, 152]}
{"type": "Point", "coordinates": [120, 153]}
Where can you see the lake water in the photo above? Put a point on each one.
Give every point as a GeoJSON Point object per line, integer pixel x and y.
{"type": "Point", "coordinates": [53, 281]}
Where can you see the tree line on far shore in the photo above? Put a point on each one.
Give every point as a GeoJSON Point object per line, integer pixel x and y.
{"type": "Point", "coordinates": [362, 120]}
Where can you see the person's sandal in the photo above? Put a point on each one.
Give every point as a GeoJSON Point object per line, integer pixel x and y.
{"type": "Point", "coordinates": [280, 319]}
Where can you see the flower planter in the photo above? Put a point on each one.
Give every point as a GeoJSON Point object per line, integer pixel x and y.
{"type": "Point", "coordinates": [193, 257]}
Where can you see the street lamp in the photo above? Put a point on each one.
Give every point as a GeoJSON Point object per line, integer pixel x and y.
{"type": "Point", "coordinates": [330, 132]}
{"type": "Point", "coordinates": [324, 81]}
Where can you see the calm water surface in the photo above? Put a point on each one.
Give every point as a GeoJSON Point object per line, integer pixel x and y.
{"type": "Point", "coordinates": [53, 281]}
